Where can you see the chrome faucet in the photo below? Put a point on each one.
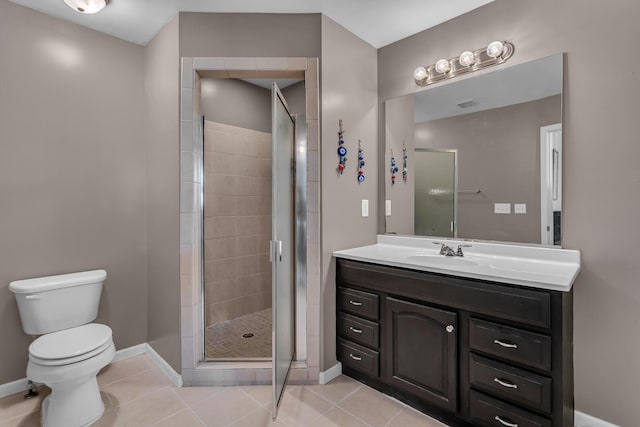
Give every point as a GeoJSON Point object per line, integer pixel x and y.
{"type": "Point", "coordinates": [448, 251]}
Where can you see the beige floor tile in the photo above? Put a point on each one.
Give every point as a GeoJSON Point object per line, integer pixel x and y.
{"type": "Point", "coordinates": [17, 406]}
{"type": "Point", "coordinates": [259, 418]}
{"type": "Point", "coordinates": [152, 408]}
{"type": "Point", "coordinates": [371, 406]}
{"type": "Point", "coordinates": [193, 395]}
{"type": "Point", "coordinates": [182, 419]}
{"type": "Point", "coordinates": [124, 368]}
{"type": "Point", "coordinates": [225, 407]}
{"type": "Point", "coordinates": [135, 386]}
{"type": "Point", "coordinates": [300, 407]}
{"type": "Point", "coordinates": [263, 394]}
{"type": "Point", "coordinates": [110, 418]}
{"type": "Point", "coordinates": [337, 389]}
{"type": "Point", "coordinates": [30, 420]}
{"type": "Point", "coordinates": [336, 417]}
{"type": "Point", "coordinates": [408, 417]}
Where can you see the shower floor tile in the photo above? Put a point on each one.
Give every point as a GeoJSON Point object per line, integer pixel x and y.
{"type": "Point", "coordinates": [225, 340]}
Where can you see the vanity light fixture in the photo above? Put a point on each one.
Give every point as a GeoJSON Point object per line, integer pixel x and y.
{"type": "Point", "coordinates": [87, 6]}
{"type": "Point", "coordinates": [496, 53]}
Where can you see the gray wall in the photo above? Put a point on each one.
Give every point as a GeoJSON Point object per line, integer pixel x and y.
{"type": "Point", "coordinates": [601, 179]}
{"type": "Point", "coordinates": [72, 174]}
{"type": "Point", "coordinates": [348, 89]}
{"type": "Point", "coordinates": [162, 73]}
{"type": "Point", "coordinates": [498, 152]}
{"type": "Point", "coordinates": [296, 97]}
{"type": "Point", "coordinates": [236, 103]}
{"type": "Point", "coordinates": [249, 34]}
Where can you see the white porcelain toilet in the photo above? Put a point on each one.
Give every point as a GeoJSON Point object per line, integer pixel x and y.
{"type": "Point", "coordinates": [70, 351]}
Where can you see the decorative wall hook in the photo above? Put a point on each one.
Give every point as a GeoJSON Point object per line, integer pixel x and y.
{"type": "Point", "coordinates": [394, 169]}
{"type": "Point", "coordinates": [342, 150]}
{"type": "Point", "coordinates": [360, 162]}
{"type": "Point", "coordinates": [405, 171]}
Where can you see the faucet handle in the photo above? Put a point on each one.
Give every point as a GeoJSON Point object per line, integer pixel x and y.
{"type": "Point", "coordinates": [459, 251]}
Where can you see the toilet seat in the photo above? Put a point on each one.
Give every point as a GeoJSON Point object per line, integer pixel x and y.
{"type": "Point", "coordinates": [70, 345]}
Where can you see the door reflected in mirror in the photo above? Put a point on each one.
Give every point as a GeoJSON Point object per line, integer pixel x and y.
{"type": "Point", "coordinates": [485, 156]}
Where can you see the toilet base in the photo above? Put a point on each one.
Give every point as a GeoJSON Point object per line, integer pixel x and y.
{"type": "Point", "coordinates": [73, 404]}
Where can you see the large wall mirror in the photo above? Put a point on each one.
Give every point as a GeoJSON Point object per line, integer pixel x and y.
{"type": "Point", "coordinates": [484, 156]}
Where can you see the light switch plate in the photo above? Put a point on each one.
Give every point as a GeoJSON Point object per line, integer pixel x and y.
{"type": "Point", "coordinates": [502, 208]}
{"type": "Point", "coordinates": [520, 208]}
{"type": "Point", "coordinates": [387, 207]}
{"type": "Point", "coordinates": [365, 208]}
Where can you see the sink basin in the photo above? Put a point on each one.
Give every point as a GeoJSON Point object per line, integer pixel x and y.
{"type": "Point", "coordinates": [436, 260]}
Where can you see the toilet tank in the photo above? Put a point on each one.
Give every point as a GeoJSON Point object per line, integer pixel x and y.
{"type": "Point", "coordinates": [53, 303]}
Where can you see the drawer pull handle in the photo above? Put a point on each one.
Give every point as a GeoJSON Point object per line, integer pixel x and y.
{"type": "Point", "coordinates": [505, 423]}
{"type": "Point", "coordinates": [355, 330]}
{"type": "Point", "coordinates": [504, 383]}
{"type": "Point", "coordinates": [356, 358]}
{"type": "Point", "coordinates": [505, 344]}
{"type": "Point", "coordinates": [356, 303]}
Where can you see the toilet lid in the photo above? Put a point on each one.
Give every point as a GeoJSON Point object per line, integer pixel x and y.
{"type": "Point", "coordinates": [71, 343]}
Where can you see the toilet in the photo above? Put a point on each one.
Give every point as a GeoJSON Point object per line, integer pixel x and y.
{"type": "Point", "coordinates": [70, 350]}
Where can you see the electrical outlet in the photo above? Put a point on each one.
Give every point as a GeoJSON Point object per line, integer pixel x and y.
{"type": "Point", "coordinates": [365, 208]}
{"type": "Point", "coordinates": [502, 208]}
{"type": "Point", "coordinates": [520, 208]}
{"type": "Point", "coordinates": [387, 207]}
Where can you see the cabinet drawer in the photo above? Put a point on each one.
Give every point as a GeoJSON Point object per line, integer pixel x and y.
{"type": "Point", "coordinates": [516, 385]}
{"type": "Point", "coordinates": [359, 330]}
{"type": "Point", "coordinates": [359, 303]}
{"type": "Point", "coordinates": [359, 358]}
{"type": "Point", "coordinates": [510, 343]}
{"type": "Point", "coordinates": [489, 412]}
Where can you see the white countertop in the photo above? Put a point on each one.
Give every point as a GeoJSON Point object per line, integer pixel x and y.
{"type": "Point", "coordinates": [533, 266]}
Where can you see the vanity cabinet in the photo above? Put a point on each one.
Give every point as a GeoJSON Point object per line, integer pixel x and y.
{"type": "Point", "coordinates": [466, 351]}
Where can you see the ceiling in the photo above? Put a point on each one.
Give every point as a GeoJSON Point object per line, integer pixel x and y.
{"type": "Point", "coordinates": [378, 22]}
{"type": "Point", "coordinates": [505, 86]}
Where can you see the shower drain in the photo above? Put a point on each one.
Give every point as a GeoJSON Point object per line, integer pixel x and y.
{"type": "Point", "coordinates": [247, 335]}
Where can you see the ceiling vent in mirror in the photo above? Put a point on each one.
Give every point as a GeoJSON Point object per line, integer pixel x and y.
{"type": "Point", "coordinates": [87, 6]}
{"type": "Point", "coordinates": [496, 53]}
{"type": "Point", "coordinates": [467, 104]}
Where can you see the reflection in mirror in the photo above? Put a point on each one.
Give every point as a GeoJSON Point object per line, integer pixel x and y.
{"type": "Point", "coordinates": [485, 156]}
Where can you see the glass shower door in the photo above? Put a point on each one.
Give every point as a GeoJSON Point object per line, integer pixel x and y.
{"type": "Point", "coordinates": [435, 192]}
{"type": "Point", "coordinates": [283, 254]}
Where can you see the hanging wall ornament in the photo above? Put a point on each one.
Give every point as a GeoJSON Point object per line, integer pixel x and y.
{"type": "Point", "coordinates": [360, 162]}
{"type": "Point", "coordinates": [342, 150]}
{"type": "Point", "coordinates": [394, 169]}
{"type": "Point", "coordinates": [405, 171]}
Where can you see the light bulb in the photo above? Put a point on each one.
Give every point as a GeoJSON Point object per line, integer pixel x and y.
{"type": "Point", "coordinates": [86, 6]}
{"type": "Point", "coordinates": [467, 59]}
{"type": "Point", "coordinates": [495, 49]}
{"type": "Point", "coordinates": [420, 74]}
{"type": "Point", "coordinates": [442, 66]}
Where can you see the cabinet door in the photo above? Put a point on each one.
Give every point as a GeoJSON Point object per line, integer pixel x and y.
{"type": "Point", "coordinates": [421, 351]}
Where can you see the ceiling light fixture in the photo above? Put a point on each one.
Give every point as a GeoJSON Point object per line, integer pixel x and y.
{"type": "Point", "coordinates": [87, 6]}
{"type": "Point", "coordinates": [496, 53]}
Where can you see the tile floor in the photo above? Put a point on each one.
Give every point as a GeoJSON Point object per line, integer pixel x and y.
{"type": "Point", "coordinates": [136, 394]}
{"type": "Point", "coordinates": [224, 340]}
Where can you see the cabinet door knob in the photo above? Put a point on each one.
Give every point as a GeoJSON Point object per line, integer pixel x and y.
{"type": "Point", "coordinates": [355, 330]}
{"type": "Point", "coordinates": [505, 344]}
{"type": "Point", "coordinates": [450, 328]}
{"type": "Point", "coordinates": [356, 303]}
{"type": "Point", "coordinates": [505, 383]}
{"type": "Point", "coordinates": [505, 423]}
{"type": "Point", "coordinates": [357, 358]}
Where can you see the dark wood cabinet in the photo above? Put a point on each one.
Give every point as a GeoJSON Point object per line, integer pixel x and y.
{"type": "Point", "coordinates": [422, 351]}
{"type": "Point", "coordinates": [468, 352]}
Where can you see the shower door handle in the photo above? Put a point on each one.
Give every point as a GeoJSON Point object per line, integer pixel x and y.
{"type": "Point", "coordinates": [280, 250]}
{"type": "Point", "coordinates": [276, 248]}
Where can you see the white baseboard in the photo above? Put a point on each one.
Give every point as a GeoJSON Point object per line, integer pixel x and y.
{"type": "Point", "coordinates": [584, 420]}
{"type": "Point", "coordinates": [175, 377]}
{"type": "Point", "coordinates": [331, 373]}
{"type": "Point", "coordinates": [14, 387]}
{"type": "Point", "coordinates": [22, 384]}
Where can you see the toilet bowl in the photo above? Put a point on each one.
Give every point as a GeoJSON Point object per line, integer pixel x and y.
{"type": "Point", "coordinates": [70, 351]}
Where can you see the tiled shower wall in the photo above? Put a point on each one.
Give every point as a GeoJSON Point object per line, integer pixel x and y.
{"type": "Point", "coordinates": [237, 225]}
